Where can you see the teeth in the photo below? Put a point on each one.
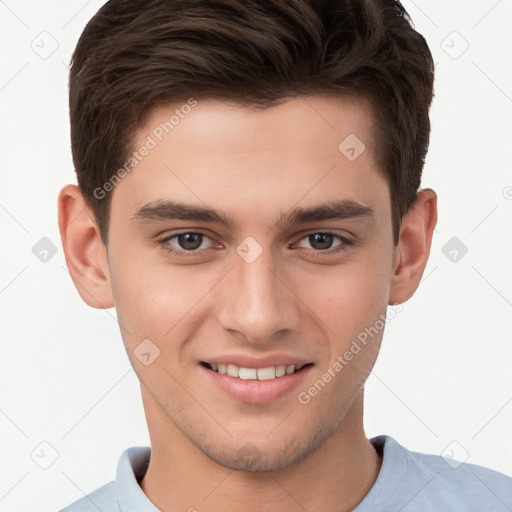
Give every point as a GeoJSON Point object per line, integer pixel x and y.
{"type": "Point", "coordinates": [269, 373]}
{"type": "Point", "coordinates": [246, 373]}
{"type": "Point", "coordinates": [280, 370]}
{"type": "Point", "coordinates": [232, 370]}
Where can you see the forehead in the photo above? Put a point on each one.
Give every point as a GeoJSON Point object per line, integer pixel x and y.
{"type": "Point", "coordinates": [307, 150]}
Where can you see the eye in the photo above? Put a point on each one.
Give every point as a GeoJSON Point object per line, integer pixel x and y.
{"type": "Point", "coordinates": [190, 243]}
{"type": "Point", "coordinates": [186, 243]}
{"type": "Point", "coordinates": [322, 241]}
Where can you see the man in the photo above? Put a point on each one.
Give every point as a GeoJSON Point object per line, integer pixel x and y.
{"type": "Point", "coordinates": [249, 203]}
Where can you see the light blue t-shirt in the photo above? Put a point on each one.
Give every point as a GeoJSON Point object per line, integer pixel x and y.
{"type": "Point", "coordinates": [407, 482]}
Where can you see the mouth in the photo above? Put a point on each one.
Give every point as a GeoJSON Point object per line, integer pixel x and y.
{"type": "Point", "coordinates": [255, 380]}
{"type": "Point", "coordinates": [260, 374]}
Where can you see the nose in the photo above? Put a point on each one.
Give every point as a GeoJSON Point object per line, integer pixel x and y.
{"type": "Point", "coordinates": [258, 302]}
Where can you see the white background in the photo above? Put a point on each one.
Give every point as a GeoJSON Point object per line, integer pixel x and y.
{"type": "Point", "coordinates": [444, 372]}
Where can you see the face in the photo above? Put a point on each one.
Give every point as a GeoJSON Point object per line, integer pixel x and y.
{"type": "Point", "coordinates": [294, 266]}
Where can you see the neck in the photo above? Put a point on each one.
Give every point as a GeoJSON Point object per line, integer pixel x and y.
{"type": "Point", "coordinates": [336, 477]}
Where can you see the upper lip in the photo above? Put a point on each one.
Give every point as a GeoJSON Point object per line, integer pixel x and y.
{"type": "Point", "coordinates": [246, 361]}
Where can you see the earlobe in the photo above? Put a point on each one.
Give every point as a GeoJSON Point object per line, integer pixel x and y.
{"type": "Point", "coordinates": [411, 254]}
{"type": "Point", "coordinates": [86, 255]}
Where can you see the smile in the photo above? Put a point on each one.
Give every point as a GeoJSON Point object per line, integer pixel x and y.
{"type": "Point", "coordinates": [268, 373]}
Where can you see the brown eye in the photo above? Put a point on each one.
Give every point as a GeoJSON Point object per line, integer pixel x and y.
{"type": "Point", "coordinates": [189, 241]}
{"type": "Point", "coordinates": [184, 244]}
{"type": "Point", "coordinates": [321, 241]}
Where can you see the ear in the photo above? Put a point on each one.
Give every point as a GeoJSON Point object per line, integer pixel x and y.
{"type": "Point", "coordinates": [86, 255]}
{"type": "Point", "coordinates": [411, 254]}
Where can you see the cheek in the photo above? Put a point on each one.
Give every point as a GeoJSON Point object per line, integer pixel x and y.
{"type": "Point", "coordinates": [353, 305]}
{"type": "Point", "coordinates": [157, 301]}
{"type": "Point", "coordinates": [348, 298]}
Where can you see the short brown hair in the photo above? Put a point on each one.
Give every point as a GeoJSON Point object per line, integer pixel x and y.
{"type": "Point", "coordinates": [134, 55]}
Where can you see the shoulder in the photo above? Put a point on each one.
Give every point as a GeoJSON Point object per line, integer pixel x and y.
{"type": "Point", "coordinates": [462, 477]}
{"type": "Point", "coordinates": [123, 492]}
{"type": "Point", "coordinates": [103, 498]}
{"type": "Point", "coordinates": [442, 483]}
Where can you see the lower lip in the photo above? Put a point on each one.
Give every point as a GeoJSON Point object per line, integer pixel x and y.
{"type": "Point", "coordinates": [256, 391]}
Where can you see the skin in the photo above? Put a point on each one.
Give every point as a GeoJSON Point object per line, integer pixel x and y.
{"type": "Point", "coordinates": [255, 166]}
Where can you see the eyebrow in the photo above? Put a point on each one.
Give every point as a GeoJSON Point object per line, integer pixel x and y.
{"type": "Point", "coordinates": [164, 210]}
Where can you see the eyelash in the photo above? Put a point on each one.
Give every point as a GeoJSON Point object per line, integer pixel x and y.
{"type": "Point", "coordinates": [164, 243]}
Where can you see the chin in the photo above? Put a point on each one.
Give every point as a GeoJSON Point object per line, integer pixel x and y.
{"type": "Point", "coordinates": [265, 456]}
